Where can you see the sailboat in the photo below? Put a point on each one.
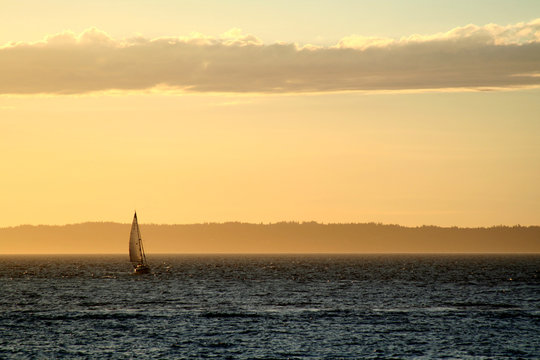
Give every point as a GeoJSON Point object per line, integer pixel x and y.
{"type": "Point", "coordinates": [136, 250]}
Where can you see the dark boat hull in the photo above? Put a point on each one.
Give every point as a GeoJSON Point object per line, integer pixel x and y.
{"type": "Point", "coordinates": [141, 269]}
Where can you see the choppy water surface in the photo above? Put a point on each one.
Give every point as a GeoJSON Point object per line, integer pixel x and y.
{"type": "Point", "coordinates": [278, 307]}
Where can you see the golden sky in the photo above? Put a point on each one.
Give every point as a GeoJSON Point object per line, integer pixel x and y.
{"type": "Point", "coordinates": [393, 123]}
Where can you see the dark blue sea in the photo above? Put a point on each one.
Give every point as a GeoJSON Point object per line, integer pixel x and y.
{"type": "Point", "coordinates": [271, 307]}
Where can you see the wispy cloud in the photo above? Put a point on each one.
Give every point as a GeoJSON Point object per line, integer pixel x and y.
{"type": "Point", "coordinates": [469, 57]}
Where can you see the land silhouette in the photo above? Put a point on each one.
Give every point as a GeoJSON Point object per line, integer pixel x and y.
{"type": "Point", "coordinates": [282, 237]}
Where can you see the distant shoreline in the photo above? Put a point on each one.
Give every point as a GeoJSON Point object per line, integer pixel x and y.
{"type": "Point", "coordinates": [370, 223]}
{"type": "Point", "coordinates": [267, 255]}
{"type": "Point", "coordinates": [277, 238]}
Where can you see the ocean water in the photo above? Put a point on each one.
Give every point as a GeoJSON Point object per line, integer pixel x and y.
{"type": "Point", "coordinates": [271, 307]}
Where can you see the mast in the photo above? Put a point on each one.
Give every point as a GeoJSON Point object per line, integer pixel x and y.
{"type": "Point", "coordinates": [141, 248]}
{"type": "Point", "coordinates": [143, 254]}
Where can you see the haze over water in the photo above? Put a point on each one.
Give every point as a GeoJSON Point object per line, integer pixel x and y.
{"type": "Point", "coordinates": [261, 307]}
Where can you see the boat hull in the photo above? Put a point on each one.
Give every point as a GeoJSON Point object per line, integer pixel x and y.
{"type": "Point", "coordinates": [141, 269]}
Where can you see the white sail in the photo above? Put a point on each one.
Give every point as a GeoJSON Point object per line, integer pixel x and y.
{"type": "Point", "coordinates": [135, 248]}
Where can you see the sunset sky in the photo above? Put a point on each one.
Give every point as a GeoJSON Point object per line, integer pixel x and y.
{"type": "Point", "coordinates": [405, 112]}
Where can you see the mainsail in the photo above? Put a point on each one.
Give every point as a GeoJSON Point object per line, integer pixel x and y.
{"type": "Point", "coordinates": [136, 252]}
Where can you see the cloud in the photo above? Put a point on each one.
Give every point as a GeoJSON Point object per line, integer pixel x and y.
{"type": "Point", "coordinates": [469, 57]}
{"type": "Point", "coordinates": [491, 34]}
